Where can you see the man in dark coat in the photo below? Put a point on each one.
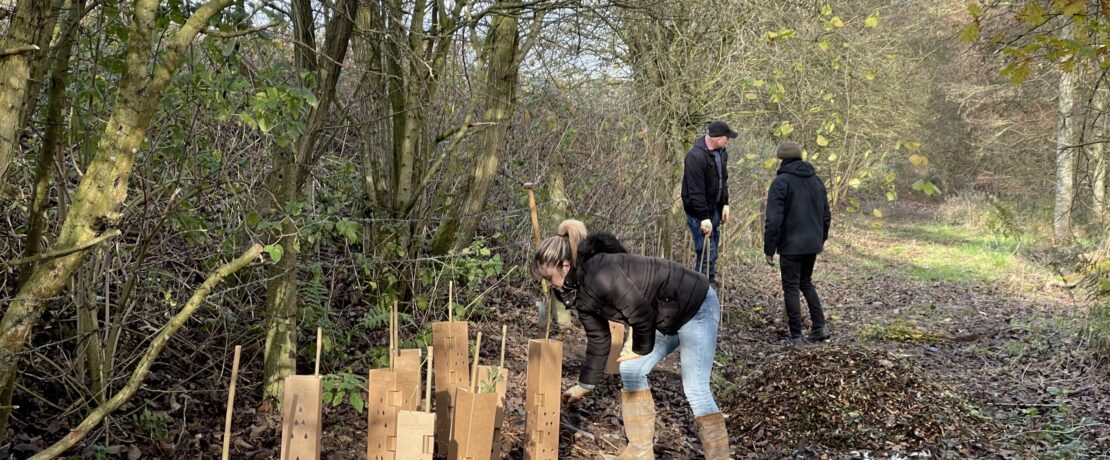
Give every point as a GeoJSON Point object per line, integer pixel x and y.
{"type": "Point", "coordinates": [705, 193]}
{"type": "Point", "coordinates": [797, 226]}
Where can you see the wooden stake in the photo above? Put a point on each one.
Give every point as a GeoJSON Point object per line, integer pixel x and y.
{"type": "Point", "coordinates": [474, 366]}
{"type": "Point", "coordinates": [705, 254]}
{"type": "Point", "coordinates": [504, 334]}
{"type": "Point", "coordinates": [392, 336]}
{"type": "Point", "coordinates": [231, 403]}
{"type": "Point", "coordinates": [550, 313]}
{"type": "Point", "coordinates": [428, 384]}
{"type": "Point", "coordinates": [535, 214]}
{"type": "Point", "coordinates": [319, 346]}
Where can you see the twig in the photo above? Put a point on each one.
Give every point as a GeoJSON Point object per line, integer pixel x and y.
{"type": "Point", "coordinates": [66, 251]}
{"type": "Point", "coordinates": [238, 33]}
{"type": "Point", "coordinates": [18, 50]}
{"type": "Point", "coordinates": [579, 430]}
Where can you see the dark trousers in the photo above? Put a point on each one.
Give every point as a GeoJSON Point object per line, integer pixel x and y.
{"type": "Point", "coordinates": [699, 245]}
{"type": "Point", "coordinates": [797, 275]}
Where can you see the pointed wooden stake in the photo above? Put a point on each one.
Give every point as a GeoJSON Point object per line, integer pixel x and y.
{"type": "Point", "coordinates": [319, 346]}
{"type": "Point", "coordinates": [231, 402]}
{"type": "Point", "coordinates": [504, 334]}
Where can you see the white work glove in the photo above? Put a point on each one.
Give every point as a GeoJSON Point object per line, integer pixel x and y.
{"type": "Point", "coordinates": [724, 214]}
{"type": "Point", "coordinates": [706, 226]}
{"type": "Point", "coordinates": [575, 393]}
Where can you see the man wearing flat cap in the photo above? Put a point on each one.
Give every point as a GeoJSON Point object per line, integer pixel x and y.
{"type": "Point", "coordinates": [796, 227]}
{"type": "Point", "coordinates": [705, 193]}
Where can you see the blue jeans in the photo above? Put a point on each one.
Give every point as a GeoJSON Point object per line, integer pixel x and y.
{"type": "Point", "coordinates": [698, 338]}
{"type": "Point", "coordinates": [699, 243]}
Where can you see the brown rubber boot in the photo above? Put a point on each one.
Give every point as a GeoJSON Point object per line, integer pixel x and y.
{"type": "Point", "coordinates": [714, 436]}
{"type": "Point", "coordinates": [638, 410]}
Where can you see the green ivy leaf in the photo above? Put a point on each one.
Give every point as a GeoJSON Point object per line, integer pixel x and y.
{"type": "Point", "coordinates": [275, 251]}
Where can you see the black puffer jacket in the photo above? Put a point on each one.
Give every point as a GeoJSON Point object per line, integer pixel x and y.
{"type": "Point", "coordinates": [798, 215]}
{"type": "Point", "coordinates": [646, 293]}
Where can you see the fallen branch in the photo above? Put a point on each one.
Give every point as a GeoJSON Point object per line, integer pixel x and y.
{"type": "Point", "coordinates": [156, 346]}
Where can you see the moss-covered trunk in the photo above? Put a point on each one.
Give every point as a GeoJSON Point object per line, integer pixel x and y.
{"type": "Point", "coordinates": [293, 169]}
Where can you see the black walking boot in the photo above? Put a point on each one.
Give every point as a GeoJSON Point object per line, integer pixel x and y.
{"type": "Point", "coordinates": [820, 334]}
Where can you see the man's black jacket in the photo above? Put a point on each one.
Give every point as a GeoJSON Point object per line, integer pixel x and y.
{"type": "Point", "coordinates": [700, 183]}
{"type": "Point", "coordinates": [798, 215]}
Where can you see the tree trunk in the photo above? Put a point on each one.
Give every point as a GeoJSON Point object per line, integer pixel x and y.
{"type": "Point", "coordinates": [1097, 151]}
{"type": "Point", "coordinates": [104, 185]}
{"type": "Point", "coordinates": [1065, 157]}
{"type": "Point", "coordinates": [52, 139]}
{"type": "Point", "coordinates": [293, 168]}
{"type": "Point", "coordinates": [502, 46]}
{"type": "Point", "coordinates": [15, 70]}
{"type": "Point", "coordinates": [44, 33]}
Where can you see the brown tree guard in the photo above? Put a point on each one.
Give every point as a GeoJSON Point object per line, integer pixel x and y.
{"type": "Point", "coordinates": [502, 385]}
{"type": "Point", "coordinates": [542, 404]}
{"type": "Point", "coordinates": [390, 391]}
{"type": "Point", "coordinates": [473, 418]}
{"type": "Point", "coordinates": [231, 403]}
{"type": "Point", "coordinates": [416, 430]}
{"type": "Point", "coordinates": [302, 412]}
{"type": "Point", "coordinates": [495, 379]}
{"type": "Point", "coordinates": [403, 358]}
{"type": "Point", "coordinates": [449, 340]}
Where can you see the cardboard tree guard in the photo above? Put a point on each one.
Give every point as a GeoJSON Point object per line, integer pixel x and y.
{"type": "Point", "coordinates": [452, 370]}
{"type": "Point", "coordinates": [301, 417]}
{"type": "Point", "coordinates": [545, 376]}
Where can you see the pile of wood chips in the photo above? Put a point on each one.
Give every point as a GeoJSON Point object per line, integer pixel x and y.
{"type": "Point", "coordinates": [848, 398]}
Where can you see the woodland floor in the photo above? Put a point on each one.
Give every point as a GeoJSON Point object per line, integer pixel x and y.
{"type": "Point", "coordinates": [957, 339]}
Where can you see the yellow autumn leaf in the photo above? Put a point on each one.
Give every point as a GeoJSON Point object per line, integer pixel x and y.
{"type": "Point", "coordinates": [919, 160]}
{"type": "Point", "coordinates": [836, 22]}
{"type": "Point", "coordinates": [872, 21]}
{"type": "Point", "coordinates": [822, 141]}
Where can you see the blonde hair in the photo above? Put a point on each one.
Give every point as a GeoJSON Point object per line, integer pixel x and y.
{"type": "Point", "coordinates": [562, 247]}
